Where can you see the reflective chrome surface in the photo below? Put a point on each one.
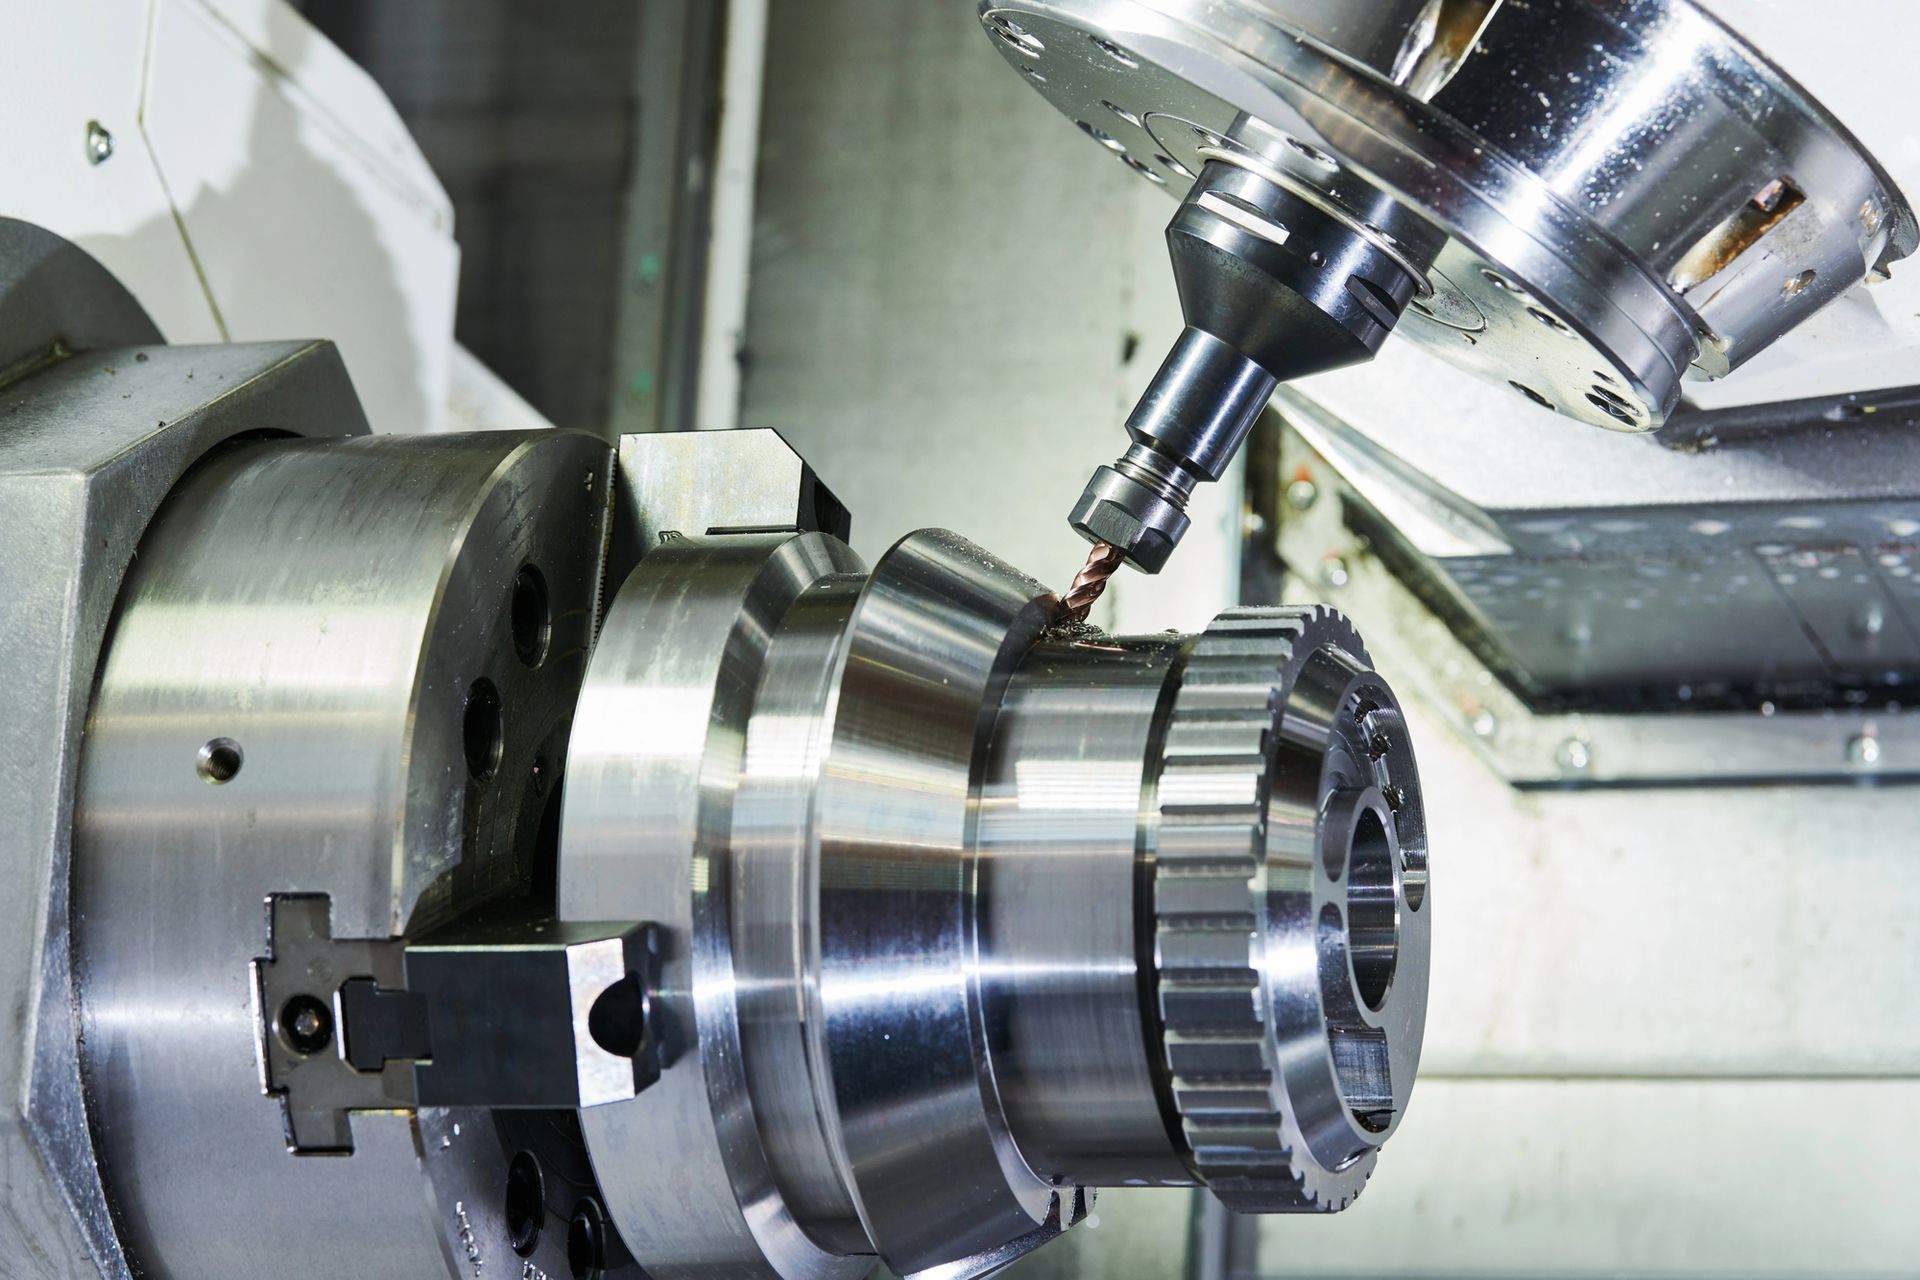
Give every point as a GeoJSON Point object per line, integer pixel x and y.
{"type": "Point", "coordinates": [1060, 829]}
{"type": "Point", "coordinates": [1628, 193]}
{"type": "Point", "coordinates": [927, 868]}
{"type": "Point", "coordinates": [286, 705]}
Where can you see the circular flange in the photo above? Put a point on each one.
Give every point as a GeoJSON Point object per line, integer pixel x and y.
{"type": "Point", "coordinates": [658, 744]}
{"type": "Point", "coordinates": [1291, 923]}
{"type": "Point", "coordinates": [1591, 280]}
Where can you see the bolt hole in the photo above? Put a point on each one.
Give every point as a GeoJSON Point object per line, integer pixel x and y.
{"type": "Point", "coordinates": [1102, 137]}
{"type": "Point", "coordinates": [219, 761]}
{"type": "Point", "coordinates": [1531, 394]}
{"type": "Point", "coordinates": [1016, 37]}
{"type": "Point", "coordinates": [1373, 909]}
{"type": "Point", "coordinates": [532, 616]}
{"type": "Point", "coordinates": [1499, 281]}
{"type": "Point", "coordinates": [1174, 166]}
{"type": "Point", "coordinates": [1208, 137]}
{"type": "Point", "coordinates": [1551, 321]}
{"type": "Point", "coordinates": [306, 1025]}
{"type": "Point", "coordinates": [1144, 171]}
{"type": "Point", "coordinates": [1797, 285]}
{"type": "Point", "coordinates": [587, 1242]}
{"type": "Point", "coordinates": [1122, 112]}
{"type": "Point", "coordinates": [526, 1203]}
{"type": "Point", "coordinates": [483, 730]}
{"type": "Point", "coordinates": [1614, 406]}
{"type": "Point", "coordinates": [1314, 154]}
{"type": "Point", "coordinates": [1115, 52]}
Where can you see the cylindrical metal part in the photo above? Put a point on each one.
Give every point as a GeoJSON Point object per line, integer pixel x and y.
{"type": "Point", "coordinates": [287, 705]}
{"type": "Point", "coordinates": [1276, 282]}
{"type": "Point", "coordinates": [1600, 198]}
{"type": "Point", "coordinates": [1060, 847]}
{"type": "Point", "coordinates": [968, 918]}
{"type": "Point", "coordinates": [1202, 403]}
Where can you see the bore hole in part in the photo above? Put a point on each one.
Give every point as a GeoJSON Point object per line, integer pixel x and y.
{"type": "Point", "coordinates": [1613, 405]}
{"type": "Point", "coordinates": [532, 616]}
{"type": "Point", "coordinates": [1797, 284]}
{"type": "Point", "coordinates": [1015, 36]}
{"type": "Point", "coordinates": [1551, 321]}
{"type": "Point", "coordinates": [587, 1242]}
{"type": "Point", "coordinates": [1174, 166]}
{"type": "Point", "coordinates": [1313, 153]}
{"type": "Point", "coordinates": [1143, 170]}
{"type": "Point", "coordinates": [1122, 112]}
{"type": "Point", "coordinates": [1531, 394]}
{"type": "Point", "coordinates": [526, 1208]}
{"type": "Point", "coordinates": [1102, 137]}
{"type": "Point", "coordinates": [1362, 1057]}
{"type": "Point", "coordinates": [1499, 281]}
{"type": "Point", "coordinates": [219, 761]}
{"type": "Point", "coordinates": [483, 730]}
{"type": "Point", "coordinates": [1373, 909]}
{"type": "Point", "coordinates": [1115, 52]}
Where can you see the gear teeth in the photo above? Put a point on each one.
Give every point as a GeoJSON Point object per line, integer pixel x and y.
{"type": "Point", "coordinates": [1209, 911]}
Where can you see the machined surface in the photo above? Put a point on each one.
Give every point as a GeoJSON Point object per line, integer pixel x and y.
{"type": "Point", "coordinates": [1724, 207]}
{"type": "Point", "coordinates": [676, 666]}
{"type": "Point", "coordinates": [349, 619]}
{"type": "Point", "coordinates": [1291, 929]}
{"type": "Point", "coordinates": [1059, 837]}
{"type": "Point", "coordinates": [937, 954]}
{"type": "Point", "coordinates": [96, 433]}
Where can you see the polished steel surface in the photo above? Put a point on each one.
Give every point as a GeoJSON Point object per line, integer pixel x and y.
{"type": "Point", "coordinates": [656, 757]}
{"type": "Point", "coordinates": [1626, 193]}
{"type": "Point", "coordinates": [100, 422]}
{"type": "Point", "coordinates": [930, 648]}
{"type": "Point", "coordinates": [924, 985]}
{"type": "Point", "coordinates": [1060, 832]}
{"type": "Point", "coordinates": [1291, 929]}
{"type": "Point", "coordinates": [332, 611]}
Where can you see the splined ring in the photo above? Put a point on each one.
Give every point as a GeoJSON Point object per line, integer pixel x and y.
{"type": "Point", "coordinates": [1241, 911]}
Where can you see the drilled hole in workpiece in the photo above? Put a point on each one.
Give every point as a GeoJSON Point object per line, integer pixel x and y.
{"type": "Point", "coordinates": [219, 761]}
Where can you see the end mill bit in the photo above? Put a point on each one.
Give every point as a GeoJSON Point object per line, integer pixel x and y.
{"type": "Point", "coordinates": [1091, 582]}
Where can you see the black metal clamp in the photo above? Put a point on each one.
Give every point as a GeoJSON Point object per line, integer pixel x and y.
{"type": "Point", "coordinates": [512, 1012]}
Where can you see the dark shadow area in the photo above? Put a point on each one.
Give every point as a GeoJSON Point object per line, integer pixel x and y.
{"type": "Point", "coordinates": [528, 114]}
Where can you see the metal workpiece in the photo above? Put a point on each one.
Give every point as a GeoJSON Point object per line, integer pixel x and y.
{"type": "Point", "coordinates": [1289, 895]}
{"type": "Point", "coordinates": [965, 915]}
{"type": "Point", "coordinates": [342, 668]}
